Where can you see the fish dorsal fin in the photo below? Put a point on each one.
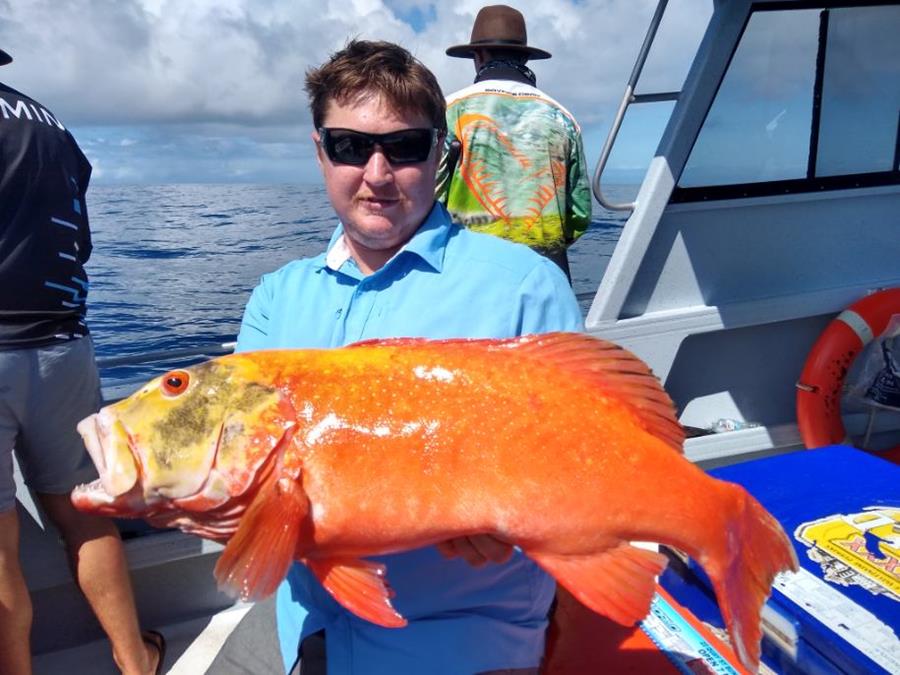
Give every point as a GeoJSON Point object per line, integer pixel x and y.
{"type": "Point", "coordinates": [603, 364]}
{"type": "Point", "coordinates": [618, 583]}
{"type": "Point", "coordinates": [612, 369]}
{"type": "Point", "coordinates": [398, 342]}
{"type": "Point", "coordinates": [360, 586]}
{"type": "Point", "coordinates": [258, 555]}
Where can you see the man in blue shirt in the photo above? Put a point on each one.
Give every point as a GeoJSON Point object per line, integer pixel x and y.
{"type": "Point", "coordinates": [397, 266]}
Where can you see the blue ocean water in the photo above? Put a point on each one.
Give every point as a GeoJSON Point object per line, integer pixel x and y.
{"type": "Point", "coordinates": [174, 265]}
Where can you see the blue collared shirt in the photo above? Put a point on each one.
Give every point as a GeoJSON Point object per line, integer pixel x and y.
{"type": "Point", "coordinates": [445, 282]}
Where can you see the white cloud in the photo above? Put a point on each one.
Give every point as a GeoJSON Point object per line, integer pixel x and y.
{"type": "Point", "coordinates": [238, 65]}
{"type": "Point", "coordinates": [242, 61]}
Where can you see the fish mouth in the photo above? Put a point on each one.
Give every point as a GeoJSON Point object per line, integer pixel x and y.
{"type": "Point", "coordinates": [91, 494]}
{"type": "Point", "coordinates": [110, 448]}
{"type": "Point", "coordinates": [94, 498]}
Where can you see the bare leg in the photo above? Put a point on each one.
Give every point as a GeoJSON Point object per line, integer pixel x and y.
{"type": "Point", "coordinates": [15, 603]}
{"type": "Point", "coordinates": [101, 572]}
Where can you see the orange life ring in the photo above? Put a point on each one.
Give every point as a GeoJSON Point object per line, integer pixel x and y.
{"type": "Point", "coordinates": [822, 379]}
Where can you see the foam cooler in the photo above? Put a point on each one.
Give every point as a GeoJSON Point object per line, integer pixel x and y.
{"type": "Point", "coordinates": [841, 612]}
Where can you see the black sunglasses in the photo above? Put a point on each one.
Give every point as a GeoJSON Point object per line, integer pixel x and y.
{"type": "Point", "coordinates": [407, 146]}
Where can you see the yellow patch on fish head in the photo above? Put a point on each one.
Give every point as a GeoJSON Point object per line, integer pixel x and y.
{"type": "Point", "coordinates": [201, 433]}
{"type": "Point", "coordinates": [253, 428]}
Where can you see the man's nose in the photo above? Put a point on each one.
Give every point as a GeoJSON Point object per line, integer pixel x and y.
{"type": "Point", "coordinates": [378, 168]}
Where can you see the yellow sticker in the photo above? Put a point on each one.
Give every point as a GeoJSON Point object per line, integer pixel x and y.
{"type": "Point", "coordinates": [857, 549]}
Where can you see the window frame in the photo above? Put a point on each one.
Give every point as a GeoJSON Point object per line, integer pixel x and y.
{"type": "Point", "coordinates": [811, 183]}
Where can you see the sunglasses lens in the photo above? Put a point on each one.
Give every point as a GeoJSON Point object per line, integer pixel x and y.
{"type": "Point", "coordinates": [408, 146]}
{"type": "Point", "coordinates": [346, 146]}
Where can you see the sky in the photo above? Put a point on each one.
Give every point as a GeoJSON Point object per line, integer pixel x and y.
{"type": "Point", "coordinates": [211, 91]}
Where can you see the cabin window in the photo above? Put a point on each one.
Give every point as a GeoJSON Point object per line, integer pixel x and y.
{"type": "Point", "coordinates": [810, 101]}
{"type": "Point", "coordinates": [860, 92]}
{"type": "Point", "coordinates": [758, 126]}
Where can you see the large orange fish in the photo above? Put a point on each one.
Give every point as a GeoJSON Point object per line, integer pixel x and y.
{"type": "Point", "coordinates": [561, 444]}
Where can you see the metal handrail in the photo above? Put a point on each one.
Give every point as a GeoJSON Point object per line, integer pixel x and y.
{"type": "Point", "coordinates": [215, 348]}
{"type": "Point", "coordinates": [627, 99]}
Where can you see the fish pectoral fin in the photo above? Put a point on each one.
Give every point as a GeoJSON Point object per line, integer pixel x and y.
{"type": "Point", "coordinates": [360, 586]}
{"type": "Point", "coordinates": [618, 583]}
{"type": "Point", "coordinates": [258, 555]}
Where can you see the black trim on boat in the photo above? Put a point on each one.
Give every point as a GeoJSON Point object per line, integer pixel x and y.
{"type": "Point", "coordinates": [813, 4]}
{"type": "Point", "coordinates": [784, 187]}
{"type": "Point", "coordinates": [817, 95]}
{"type": "Point", "coordinates": [897, 145]}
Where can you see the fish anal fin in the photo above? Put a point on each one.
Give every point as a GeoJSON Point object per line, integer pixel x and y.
{"type": "Point", "coordinates": [258, 555]}
{"type": "Point", "coordinates": [360, 586]}
{"type": "Point", "coordinates": [618, 583]}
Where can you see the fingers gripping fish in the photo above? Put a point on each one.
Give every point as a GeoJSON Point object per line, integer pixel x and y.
{"type": "Point", "coordinates": [561, 444]}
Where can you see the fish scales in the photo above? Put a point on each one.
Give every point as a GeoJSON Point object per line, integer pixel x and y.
{"type": "Point", "coordinates": [490, 459]}
{"type": "Point", "coordinates": [475, 449]}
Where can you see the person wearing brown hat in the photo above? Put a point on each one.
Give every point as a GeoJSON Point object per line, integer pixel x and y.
{"type": "Point", "coordinates": [50, 380]}
{"type": "Point", "coordinates": [514, 162]}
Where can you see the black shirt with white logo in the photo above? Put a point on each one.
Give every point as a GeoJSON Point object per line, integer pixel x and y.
{"type": "Point", "coordinates": [44, 234]}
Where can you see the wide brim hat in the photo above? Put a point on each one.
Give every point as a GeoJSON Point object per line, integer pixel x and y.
{"type": "Point", "coordinates": [4, 58]}
{"type": "Point", "coordinates": [498, 27]}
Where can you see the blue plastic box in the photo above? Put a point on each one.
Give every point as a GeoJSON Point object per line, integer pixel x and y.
{"type": "Point", "coordinates": [841, 612]}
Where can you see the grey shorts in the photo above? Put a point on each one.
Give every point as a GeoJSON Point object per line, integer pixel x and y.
{"type": "Point", "coordinates": [44, 393]}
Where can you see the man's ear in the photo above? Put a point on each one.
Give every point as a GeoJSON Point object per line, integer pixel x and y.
{"type": "Point", "coordinates": [315, 139]}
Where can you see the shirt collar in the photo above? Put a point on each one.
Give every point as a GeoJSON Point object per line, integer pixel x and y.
{"type": "Point", "coordinates": [338, 252]}
{"type": "Point", "coordinates": [428, 243]}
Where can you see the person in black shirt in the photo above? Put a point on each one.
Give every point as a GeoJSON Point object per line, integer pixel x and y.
{"type": "Point", "coordinates": [49, 380]}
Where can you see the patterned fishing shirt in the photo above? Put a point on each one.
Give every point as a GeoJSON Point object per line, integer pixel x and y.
{"type": "Point", "coordinates": [521, 173]}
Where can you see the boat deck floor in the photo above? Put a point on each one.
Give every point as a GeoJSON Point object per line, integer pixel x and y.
{"type": "Point", "coordinates": [191, 647]}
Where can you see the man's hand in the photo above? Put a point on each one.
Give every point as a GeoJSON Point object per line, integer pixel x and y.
{"type": "Point", "coordinates": [477, 549]}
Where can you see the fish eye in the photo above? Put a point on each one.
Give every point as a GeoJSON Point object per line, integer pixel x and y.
{"type": "Point", "coordinates": [175, 382]}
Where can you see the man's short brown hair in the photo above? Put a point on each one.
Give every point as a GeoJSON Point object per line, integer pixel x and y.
{"type": "Point", "coordinates": [373, 68]}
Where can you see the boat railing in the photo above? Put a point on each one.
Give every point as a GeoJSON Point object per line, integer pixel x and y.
{"type": "Point", "coordinates": [628, 98]}
{"type": "Point", "coordinates": [115, 388]}
{"type": "Point", "coordinates": [140, 358]}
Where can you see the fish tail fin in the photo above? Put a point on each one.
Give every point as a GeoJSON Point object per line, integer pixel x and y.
{"type": "Point", "coordinates": [258, 555]}
{"type": "Point", "coordinates": [756, 548]}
